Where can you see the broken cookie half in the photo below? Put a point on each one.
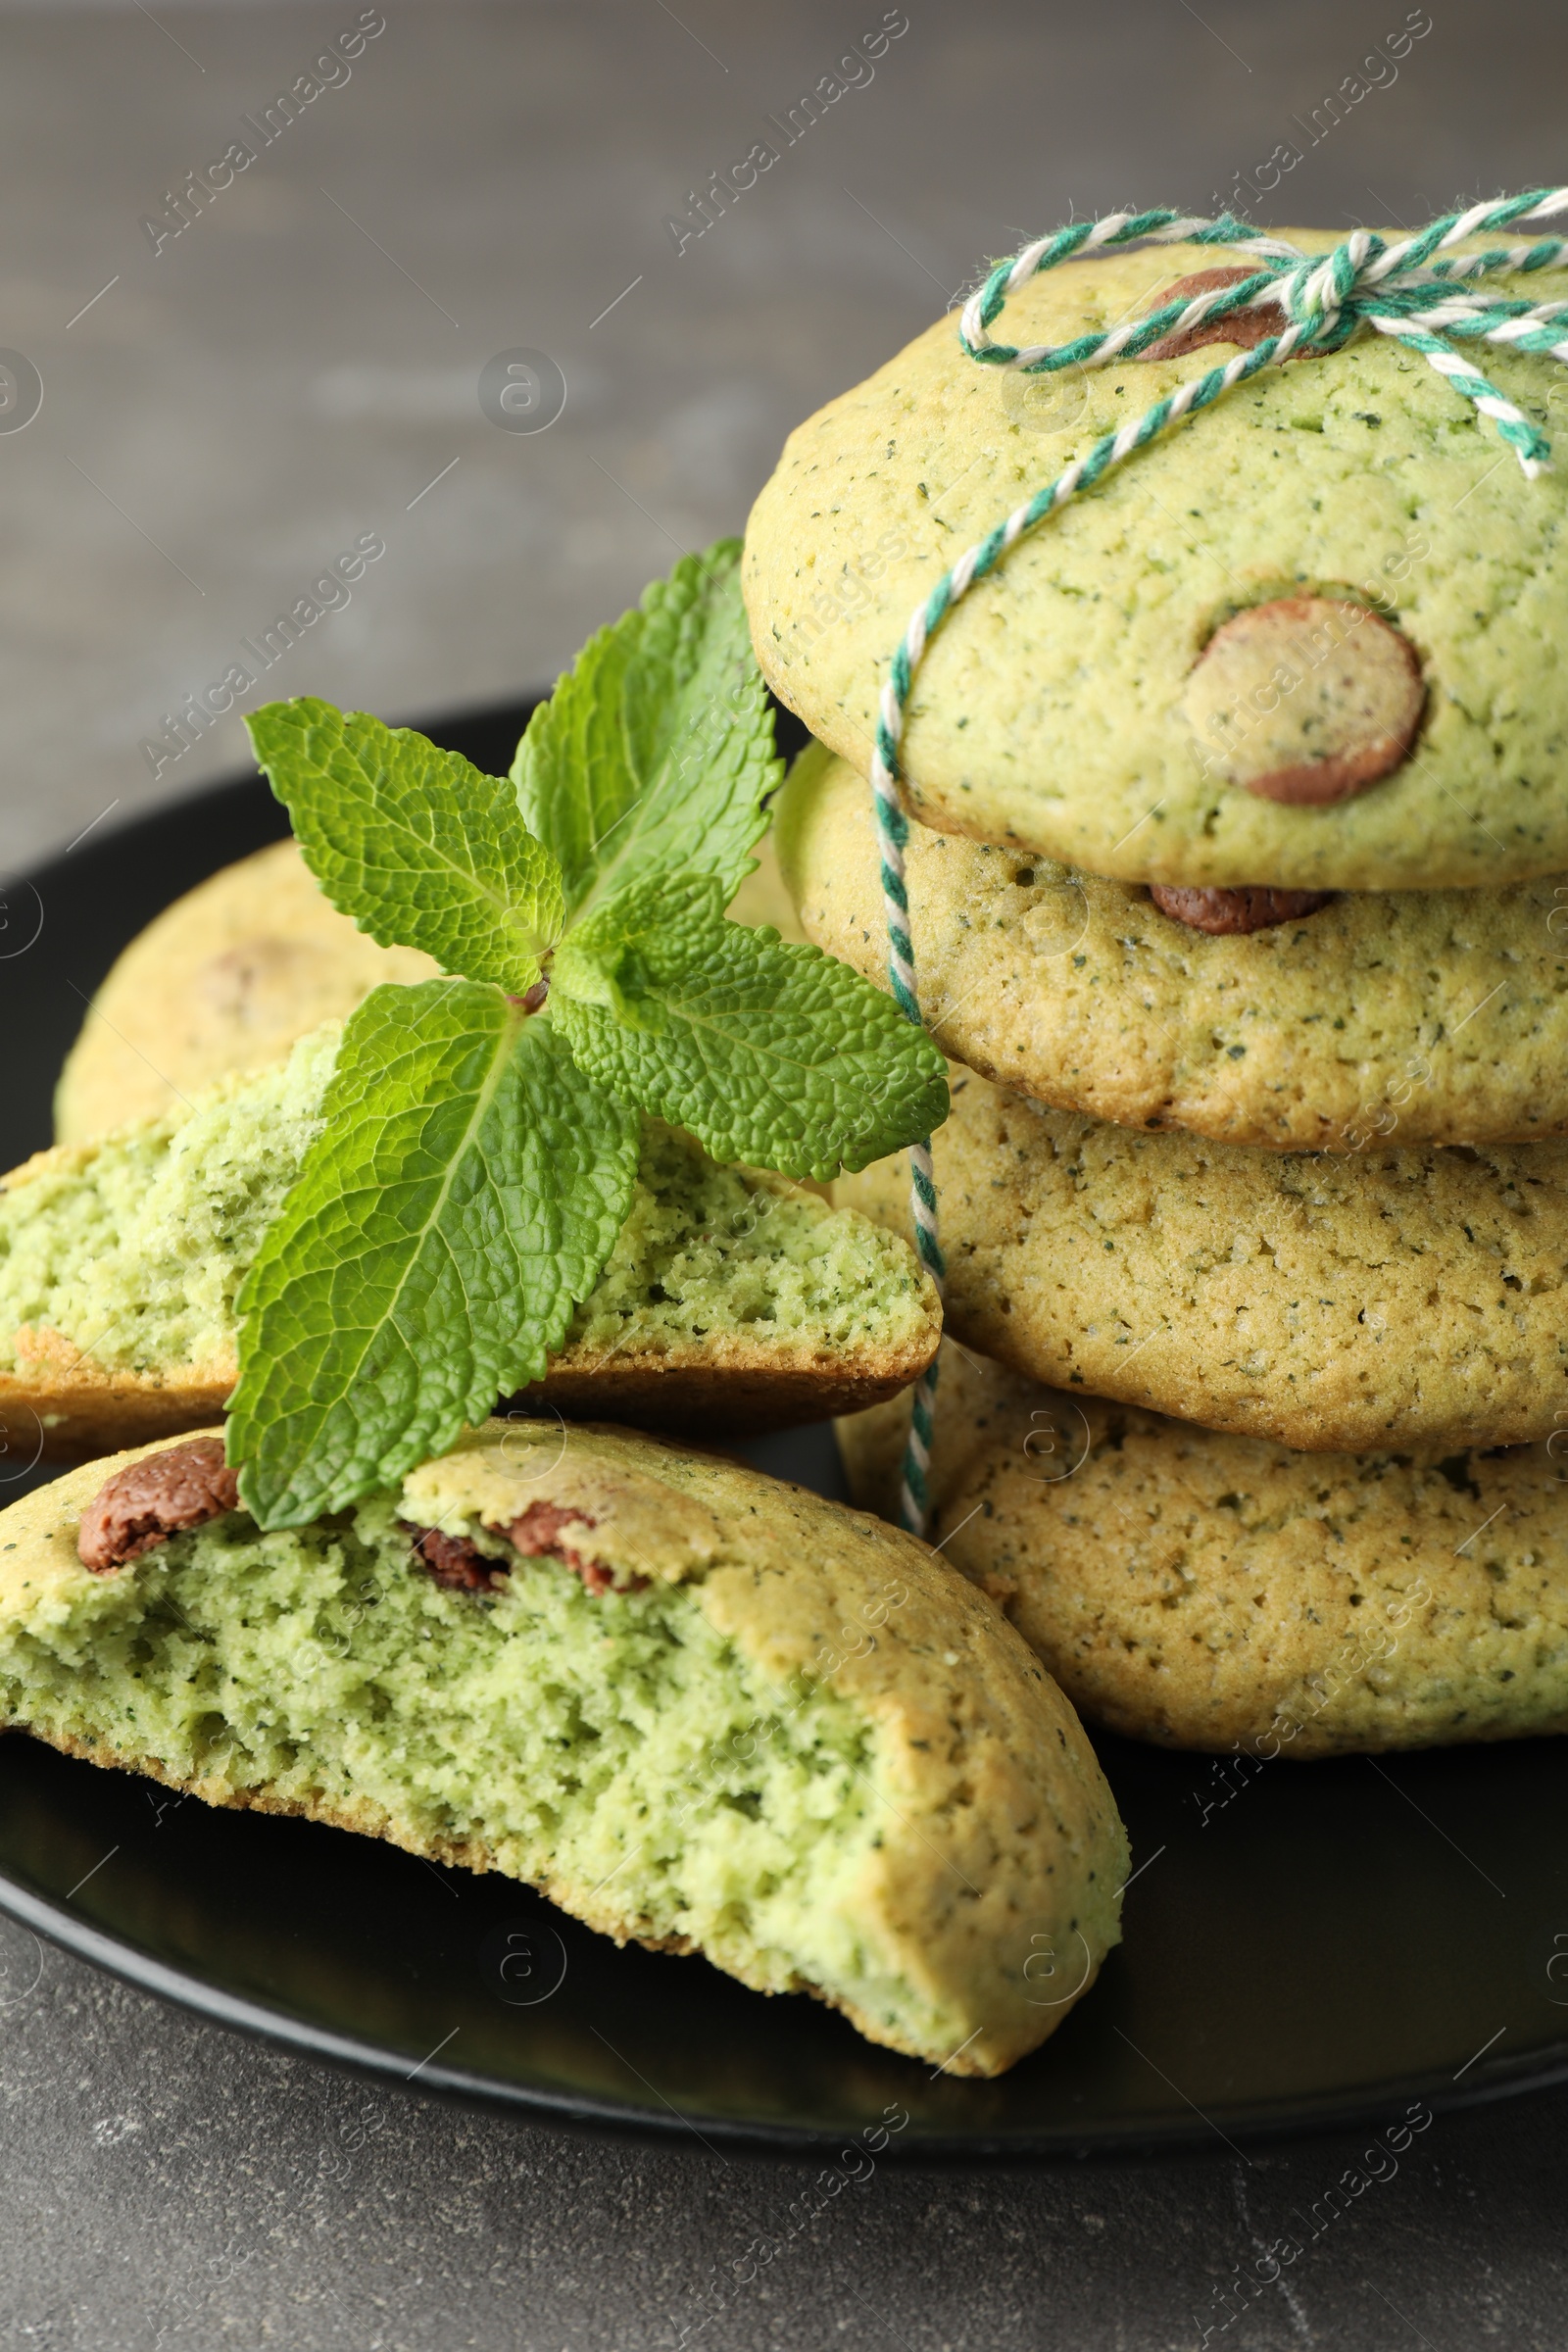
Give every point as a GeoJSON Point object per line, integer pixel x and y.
{"type": "Point", "coordinates": [699, 1709]}
{"type": "Point", "coordinates": [732, 1298]}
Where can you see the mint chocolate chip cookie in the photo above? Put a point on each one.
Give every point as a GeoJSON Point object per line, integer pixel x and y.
{"type": "Point", "coordinates": [730, 1298]}
{"type": "Point", "coordinates": [1220, 1592]}
{"type": "Point", "coordinates": [1303, 1022]}
{"type": "Point", "coordinates": [1308, 641]}
{"type": "Point", "coordinates": [1410, 1298]}
{"type": "Point", "coordinates": [698, 1708]}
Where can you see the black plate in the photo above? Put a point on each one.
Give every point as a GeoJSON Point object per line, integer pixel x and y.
{"type": "Point", "coordinates": [1305, 1945]}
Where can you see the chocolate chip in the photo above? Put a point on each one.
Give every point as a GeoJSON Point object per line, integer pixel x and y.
{"type": "Point", "coordinates": [1305, 700]}
{"type": "Point", "coordinates": [1232, 912]}
{"type": "Point", "coordinates": [537, 1534]}
{"type": "Point", "coordinates": [454, 1562]}
{"type": "Point", "coordinates": [1246, 328]}
{"type": "Point", "coordinates": [161, 1495]}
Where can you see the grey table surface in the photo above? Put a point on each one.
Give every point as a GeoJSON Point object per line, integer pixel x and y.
{"type": "Point", "coordinates": [223, 412]}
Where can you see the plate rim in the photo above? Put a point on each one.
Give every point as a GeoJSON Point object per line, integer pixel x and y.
{"type": "Point", "coordinates": [278, 2027]}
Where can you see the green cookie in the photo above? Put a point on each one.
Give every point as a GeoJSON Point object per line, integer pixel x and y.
{"type": "Point", "coordinates": [1082, 704]}
{"type": "Point", "coordinates": [1211, 1592]}
{"type": "Point", "coordinates": [1408, 1016]}
{"type": "Point", "coordinates": [696, 1707]}
{"type": "Point", "coordinates": [1406, 1299]}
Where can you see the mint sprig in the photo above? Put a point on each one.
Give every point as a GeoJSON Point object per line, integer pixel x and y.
{"type": "Point", "coordinates": [770, 1053]}
{"type": "Point", "coordinates": [466, 1187]}
{"type": "Point", "coordinates": [479, 1141]}
{"type": "Point", "coordinates": [416, 846]}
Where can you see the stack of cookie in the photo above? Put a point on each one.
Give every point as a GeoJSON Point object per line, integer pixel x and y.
{"type": "Point", "coordinates": [1242, 792]}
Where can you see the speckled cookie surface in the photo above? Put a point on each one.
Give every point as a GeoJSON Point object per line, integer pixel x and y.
{"type": "Point", "coordinates": [1049, 712]}
{"type": "Point", "coordinates": [1208, 1591]}
{"type": "Point", "coordinates": [1408, 1016]}
{"type": "Point", "coordinates": [1411, 1299]}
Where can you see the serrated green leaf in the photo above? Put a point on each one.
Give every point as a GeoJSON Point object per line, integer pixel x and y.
{"type": "Point", "coordinates": [654, 755]}
{"type": "Point", "coordinates": [413, 844]}
{"type": "Point", "coordinates": [774, 1055]}
{"type": "Point", "coordinates": [464, 1192]}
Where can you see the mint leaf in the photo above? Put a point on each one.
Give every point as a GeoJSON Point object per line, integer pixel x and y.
{"type": "Point", "coordinates": [655, 754]}
{"type": "Point", "coordinates": [773, 1054]}
{"type": "Point", "coordinates": [476, 1163]}
{"type": "Point", "coordinates": [463, 1197]}
{"type": "Point", "coordinates": [419, 849]}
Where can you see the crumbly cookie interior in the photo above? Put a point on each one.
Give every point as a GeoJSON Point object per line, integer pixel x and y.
{"type": "Point", "coordinates": [132, 1249]}
{"type": "Point", "coordinates": [710, 1249]}
{"type": "Point", "coordinates": [580, 1739]}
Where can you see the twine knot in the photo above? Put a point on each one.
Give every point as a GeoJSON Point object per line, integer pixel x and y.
{"type": "Point", "coordinates": [1415, 290]}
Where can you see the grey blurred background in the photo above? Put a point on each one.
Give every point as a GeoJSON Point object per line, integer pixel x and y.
{"type": "Point", "coordinates": [224, 412]}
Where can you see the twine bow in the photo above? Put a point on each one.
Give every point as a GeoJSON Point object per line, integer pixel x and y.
{"type": "Point", "coordinates": [1399, 290]}
{"type": "Point", "coordinates": [1413, 290]}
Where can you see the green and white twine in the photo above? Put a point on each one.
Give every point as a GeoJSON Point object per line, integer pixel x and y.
{"type": "Point", "coordinates": [1406, 290]}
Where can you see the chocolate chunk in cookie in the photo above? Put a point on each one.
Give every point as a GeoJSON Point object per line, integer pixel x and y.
{"type": "Point", "coordinates": [1232, 912]}
{"type": "Point", "coordinates": [161, 1495]}
{"type": "Point", "coordinates": [452, 1561]}
{"type": "Point", "coordinates": [540, 1532]}
{"type": "Point", "coordinates": [1246, 328]}
{"type": "Point", "coordinates": [1305, 700]}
